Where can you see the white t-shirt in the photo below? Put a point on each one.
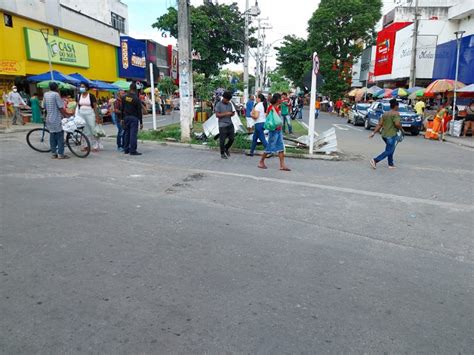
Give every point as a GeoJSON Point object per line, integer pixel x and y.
{"type": "Point", "coordinates": [261, 113]}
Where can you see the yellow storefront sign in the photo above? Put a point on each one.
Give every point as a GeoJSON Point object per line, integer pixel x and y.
{"type": "Point", "coordinates": [12, 67]}
{"type": "Point", "coordinates": [63, 51]}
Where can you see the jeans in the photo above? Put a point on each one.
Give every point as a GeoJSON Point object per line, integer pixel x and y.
{"type": "Point", "coordinates": [226, 133]}
{"type": "Point", "coordinates": [130, 134]}
{"type": "Point", "coordinates": [56, 142]}
{"type": "Point", "coordinates": [300, 113]}
{"type": "Point", "coordinates": [390, 144]}
{"type": "Point", "coordinates": [287, 121]}
{"type": "Point", "coordinates": [16, 115]}
{"type": "Point", "coordinates": [117, 124]}
{"type": "Point", "coordinates": [316, 114]}
{"type": "Point", "coordinates": [258, 134]}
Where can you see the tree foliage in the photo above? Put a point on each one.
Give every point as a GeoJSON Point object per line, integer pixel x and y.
{"type": "Point", "coordinates": [294, 59]}
{"type": "Point", "coordinates": [338, 31]}
{"type": "Point", "coordinates": [217, 33]}
{"type": "Point", "coordinates": [167, 86]}
{"type": "Point", "coordinates": [278, 82]}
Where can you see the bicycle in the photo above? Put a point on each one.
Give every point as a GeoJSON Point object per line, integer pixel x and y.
{"type": "Point", "coordinates": [77, 141]}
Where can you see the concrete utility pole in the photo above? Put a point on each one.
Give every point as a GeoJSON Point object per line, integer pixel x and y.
{"type": "Point", "coordinates": [413, 50]}
{"type": "Point", "coordinates": [246, 54]}
{"type": "Point", "coordinates": [260, 54]}
{"type": "Point", "coordinates": [185, 71]}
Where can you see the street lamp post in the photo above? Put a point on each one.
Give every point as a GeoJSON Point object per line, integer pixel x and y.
{"type": "Point", "coordinates": [253, 11]}
{"type": "Point", "coordinates": [459, 35]}
{"type": "Point", "coordinates": [45, 33]}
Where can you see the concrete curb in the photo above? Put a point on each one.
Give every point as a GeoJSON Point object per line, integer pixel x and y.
{"type": "Point", "coordinates": [458, 142]}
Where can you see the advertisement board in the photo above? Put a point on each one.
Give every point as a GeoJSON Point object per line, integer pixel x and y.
{"type": "Point", "coordinates": [63, 51]}
{"type": "Point", "coordinates": [385, 48]}
{"type": "Point", "coordinates": [445, 60]}
{"type": "Point", "coordinates": [132, 58]}
{"type": "Point", "coordinates": [12, 67]}
{"type": "Point", "coordinates": [366, 58]}
{"type": "Point", "coordinates": [425, 54]}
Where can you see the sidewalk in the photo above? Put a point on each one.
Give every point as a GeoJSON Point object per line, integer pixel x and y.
{"type": "Point", "coordinates": [464, 141]}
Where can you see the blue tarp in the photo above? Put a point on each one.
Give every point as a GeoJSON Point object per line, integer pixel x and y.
{"type": "Point", "coordinates": [81, 78]}
{"type": "Point", "coordinates": [100, 85]}
{"type": "Point", "coordinates": [56, 75]}
{"type": "Point", "coordinates": [445, 60]}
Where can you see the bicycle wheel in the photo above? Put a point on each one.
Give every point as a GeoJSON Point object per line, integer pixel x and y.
{"type": "Point", "coordinates": [78, 144]}
{"type": "Point", "coordinates": [38, 139]}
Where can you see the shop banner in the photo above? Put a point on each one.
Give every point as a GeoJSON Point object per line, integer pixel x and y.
{"type": "Point", "coordinates": [385, 48]}
{"type": "Point", "coordinates": [365, 63]}
{"type": "Point", "coordinates": [425, 54]}
{"type": "Point", "coordinates": [63, 51]}
{"type": "Point", "coordinates": [445, 60]}
{"type": "Point", "coordinates": [173, 62]}
{"type": "Point", "coordinates": [132, 58]}
{"type": "Point", "coordinates": [12, 67]}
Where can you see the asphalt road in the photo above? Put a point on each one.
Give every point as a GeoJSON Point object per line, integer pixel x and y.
{"type": "Point", "coordinates": [179, 251]}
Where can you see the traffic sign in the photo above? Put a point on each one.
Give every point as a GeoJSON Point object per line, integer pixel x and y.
{"type": "Point", "coordinates": [315, 63]}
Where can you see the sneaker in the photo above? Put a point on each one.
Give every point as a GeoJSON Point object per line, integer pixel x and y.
{"type": "Point", "coordinates": [373, 164]}
{"type": "Point", "coordinates": [126, 152]}
{"type": "Point", "coordinates": [223, 156]}
{"type": "Point", "coordinates": [392, 167]}
{"type": "Point", "coordinates": [63, 156]}
{"type": "Point", "coordinates": [54, 156]}
{"type": "Point", "coordinates": [227, 153]}
{"type": "Point", "coordinates": [135, 153]}
{"type": "Point", "coordinates": [249, 154]}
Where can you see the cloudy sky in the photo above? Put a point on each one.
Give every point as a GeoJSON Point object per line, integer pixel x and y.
{"type": "Point", "coordinates": [285, 17]}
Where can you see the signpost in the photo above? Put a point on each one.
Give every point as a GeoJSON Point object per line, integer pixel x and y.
{"type": "Point", "coordinates": [153, 103]}
{"type": "Point", "coordinates": [314, 79]}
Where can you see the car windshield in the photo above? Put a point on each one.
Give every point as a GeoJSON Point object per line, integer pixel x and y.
{"type": "Point", "coordinates": [401, 108]}
{"type": "Point", "coordinates": [363, 107]}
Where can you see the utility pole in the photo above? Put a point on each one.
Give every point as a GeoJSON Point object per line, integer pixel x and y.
{"type": "Point", "coordinates": [246, 54]}
{"type": "Point", "coordinates": [185, 71]}
{"type": "Point", "coordinates": [260, 54]}
{"type": "Point", "coordinates": [413, 50]}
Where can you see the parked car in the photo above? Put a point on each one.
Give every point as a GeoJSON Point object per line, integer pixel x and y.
{"type": "Point", "coordinates": [357, 114]}
{"type": "Point", "coordinates": [411, 122]}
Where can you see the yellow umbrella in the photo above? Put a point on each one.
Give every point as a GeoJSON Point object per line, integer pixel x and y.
{"type": "Point", "coordinates": [352, 93]}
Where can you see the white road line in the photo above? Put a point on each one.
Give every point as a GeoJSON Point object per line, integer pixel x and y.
{"type": "Point", "coordinates": [340, 126]}
{"type": "Point", "coordinates": [405, 199]}
{"type": "Point", "coordinates": [354, 128]}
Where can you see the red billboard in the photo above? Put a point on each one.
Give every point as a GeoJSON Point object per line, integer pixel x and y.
{"type": "Point", "coordinates": [385, 48]}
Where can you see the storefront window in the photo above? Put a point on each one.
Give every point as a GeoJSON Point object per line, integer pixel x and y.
{"type": "Point", "coordinates": [7, 19]}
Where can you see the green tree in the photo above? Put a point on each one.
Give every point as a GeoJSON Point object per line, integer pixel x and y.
{"type": "Point", "coordinates": [338, 31]}
{"type": "Point", "coordinates": [278, 83]}
{"type": "Point", "coordinates": [167, 86]}
{"type": "Point", "coordinates": [294, 59]}
{"type": "Point", "coordinates": [217, 33]}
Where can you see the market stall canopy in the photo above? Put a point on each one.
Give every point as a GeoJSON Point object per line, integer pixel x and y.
{"type": "Point", "coordinates": [122, 84]}
{"type": "Point", "coordinates": [360, 94]}
{"type": "Point", "coordinates": [81, 78]}
{"type": "Point", "coordinates": [417, 94]}
{"type": "Point", "coordinates": [443, 85]}
{"type": "Point", "coordinates": [57, 76]}
{"type": "Point", "coordinates": [100, 85]}
{"type": "Point", "coordinates": [62, 86]}
{"type": "Point", "coordinates": [467, 89]}
{"type": "Point", "coordinates": [413, 89]}
{"type": "Point", "coordinates": [352, 93]}
{"type": "Point", "coordinates": [384, 93]}
{"type": "Point", "coordinates": [400, 92]}
{"type": "Point", "coordinates": [373, 89]}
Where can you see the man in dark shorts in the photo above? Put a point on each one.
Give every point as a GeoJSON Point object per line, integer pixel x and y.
{"type": "Point", "coordinates": [131, 116]}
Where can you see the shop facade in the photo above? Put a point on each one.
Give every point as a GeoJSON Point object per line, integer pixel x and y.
{"type": "Point", "coordinates": [23, 52]}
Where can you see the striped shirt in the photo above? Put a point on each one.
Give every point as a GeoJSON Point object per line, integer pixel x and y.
{"type": "Point", "coordinates": [53, 104]}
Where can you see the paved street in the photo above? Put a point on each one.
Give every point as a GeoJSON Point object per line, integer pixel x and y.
{"type": "Point", "coordinates": [180, 251]}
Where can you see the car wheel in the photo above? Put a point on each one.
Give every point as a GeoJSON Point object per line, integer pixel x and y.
{"type": "Point", "coordinates": [367, 124]}
{"type": "Point", "coordinates": [348, 120]}
{"type": "Point", "coordinates": [415, 132]}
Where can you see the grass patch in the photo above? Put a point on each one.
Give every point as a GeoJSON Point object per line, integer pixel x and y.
{"type": "Point", "coordinates": [174, 132]}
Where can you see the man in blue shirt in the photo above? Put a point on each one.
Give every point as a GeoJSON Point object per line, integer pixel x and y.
{"type": "Point", "coordinates": [248, 113]}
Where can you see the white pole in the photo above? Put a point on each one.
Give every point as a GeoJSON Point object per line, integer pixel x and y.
{"type": "Point", "coordinates": [185, 74]}
{"type": "Point", "coordinates": [312, 102]}
{"type": "Point", "coordinates": [153, 108]}
{"type": "Point", "coordinates": [246, 55]}
{"type": "Point", "coordinates": [458, 45]}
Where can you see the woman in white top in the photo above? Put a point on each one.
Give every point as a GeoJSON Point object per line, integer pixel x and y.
{"type": "Point", "coordinates": [259, 115]}
{"type": "Point", "coordinates": [87, 109]}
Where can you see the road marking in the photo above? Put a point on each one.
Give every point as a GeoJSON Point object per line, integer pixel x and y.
{"type": "Point", "coordinates": [354, 128]}
{"type": "Point", "coordinates": [405, 199]}
{"type": "Point", "coordinates": [340, 126]}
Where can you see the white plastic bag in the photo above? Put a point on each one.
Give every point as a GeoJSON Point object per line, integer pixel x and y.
{"type": "Point", "coordinates": [79, 121]}
{"type": "Point", "coordinates": [68, 125]}
{"type": "Point", "coordinates": [99, 131]}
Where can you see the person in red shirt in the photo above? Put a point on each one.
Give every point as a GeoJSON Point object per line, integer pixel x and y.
{"type": "Point", "coordinates": [275, 138]}
{"type": "Point", "coordinates": [338, 106]}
